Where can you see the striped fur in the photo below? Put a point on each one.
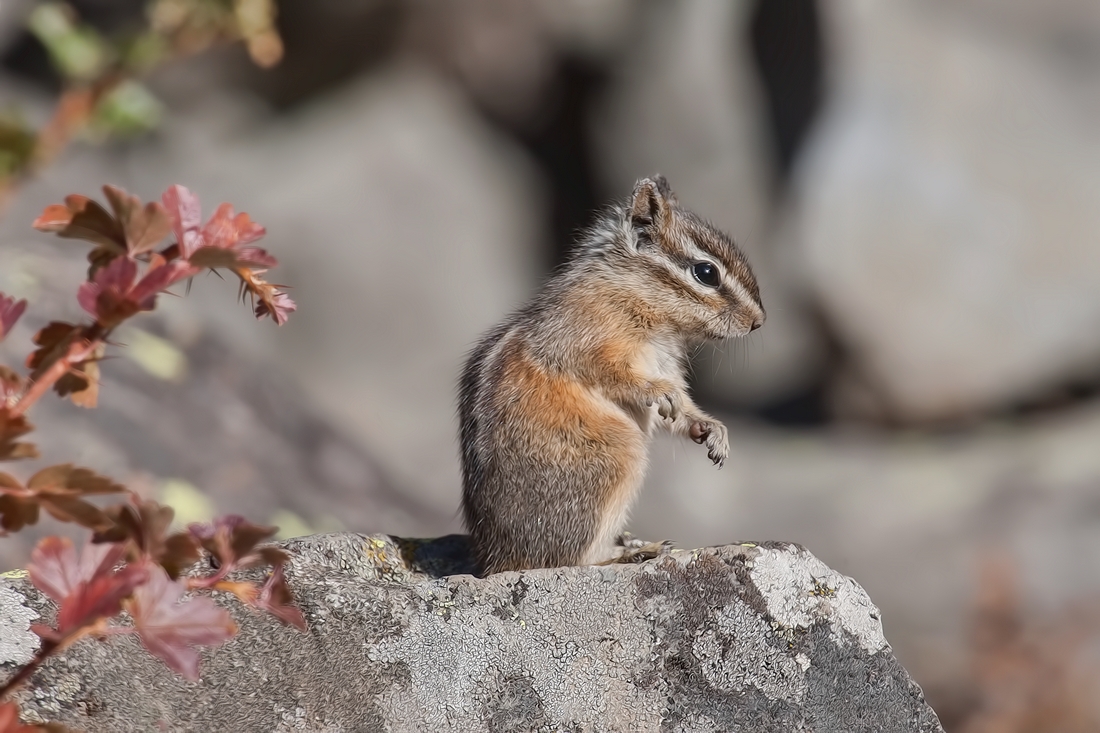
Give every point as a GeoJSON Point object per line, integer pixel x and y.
{"type": "Point", "coordinates": [558, 403]}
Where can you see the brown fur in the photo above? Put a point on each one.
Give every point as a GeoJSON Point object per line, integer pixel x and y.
{"type": "Point", "coordinates": [558, 402]}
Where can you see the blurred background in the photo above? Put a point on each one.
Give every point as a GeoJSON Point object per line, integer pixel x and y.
{"type": "Point", "coordinates": [917, 185]}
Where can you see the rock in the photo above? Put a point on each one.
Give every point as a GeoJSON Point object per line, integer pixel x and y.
{"type": "Point", "coordinates": [749, 637]}
{"type": "Point", "coordinates": [950, 200]}
{"type": "Point", "coordinates": [910, 515]}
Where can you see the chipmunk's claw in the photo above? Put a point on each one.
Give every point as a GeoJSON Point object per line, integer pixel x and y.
{"type": "Point", "coordinates": [646, 551]}
{"type": "Point", "coordinates": [714, 435]}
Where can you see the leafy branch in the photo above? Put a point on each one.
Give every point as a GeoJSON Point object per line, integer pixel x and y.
{"type": "Point", "coordinates": [101, 75]}
{"type": "Point", "coordinates": [134, 563]}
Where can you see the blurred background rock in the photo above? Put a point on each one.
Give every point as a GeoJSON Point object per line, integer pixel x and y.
{"type": "Point", "coordinates": [917, 185]}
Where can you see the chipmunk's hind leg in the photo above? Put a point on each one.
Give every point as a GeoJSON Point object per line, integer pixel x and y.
{"type": "Point", "coordinates": [531, 526]}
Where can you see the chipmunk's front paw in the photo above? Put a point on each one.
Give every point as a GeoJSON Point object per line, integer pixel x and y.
{"type": "Point", "coordinates": [713, 434]}
{"type": "Point", "coordinates": [670, 405]}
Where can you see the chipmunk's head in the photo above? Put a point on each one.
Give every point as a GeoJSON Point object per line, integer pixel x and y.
{"type": "Point", "coordinates": [689, 270]}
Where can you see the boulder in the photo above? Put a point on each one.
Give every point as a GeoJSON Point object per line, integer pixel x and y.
{"type": "Point", "coordinates": [949, 204]}
{"type": "Point", "coordinates": [743, 637]}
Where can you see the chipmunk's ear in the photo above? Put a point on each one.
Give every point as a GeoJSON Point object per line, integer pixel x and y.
{"type": "Point", "coordinates": [651, 201]}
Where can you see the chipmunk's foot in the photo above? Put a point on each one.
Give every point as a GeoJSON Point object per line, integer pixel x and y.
{"type": "Point", "coordinates": [636, 550]}
{"type": "Point", "coordinates": [714, 435]}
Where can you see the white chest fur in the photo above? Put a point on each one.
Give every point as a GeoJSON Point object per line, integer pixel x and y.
{"type": "Point", "coordinates": [662, 359]}
{"type": "Point", "coordinates": [659, 360]}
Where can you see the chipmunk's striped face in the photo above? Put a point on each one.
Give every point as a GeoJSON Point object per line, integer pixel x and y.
{"type": "Point", "coordinates": [698, 274]}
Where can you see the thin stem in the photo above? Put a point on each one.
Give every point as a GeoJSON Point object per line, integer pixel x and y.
{"type": "Point", "coordinates": [81, 349]}
{"type": "Point", "coordinates": [40, 386]}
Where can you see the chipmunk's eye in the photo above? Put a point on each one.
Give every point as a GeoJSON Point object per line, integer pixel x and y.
{"type": "Point", "coordinates": [706, 273]}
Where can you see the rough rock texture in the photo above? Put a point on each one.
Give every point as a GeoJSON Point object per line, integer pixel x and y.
{"type": "Point", "coordinates": [753, 638]}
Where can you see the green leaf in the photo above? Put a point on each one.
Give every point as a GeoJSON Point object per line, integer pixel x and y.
{"type": "Point", "coordinates": [128, 110]}
{"type": "Point", "coordinates": [78, 51]}
{"type": "Point", "coordinates": [17, 141]}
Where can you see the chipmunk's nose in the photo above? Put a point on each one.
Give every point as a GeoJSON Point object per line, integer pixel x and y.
{"type": "Point", "coordinates": [756, 324]}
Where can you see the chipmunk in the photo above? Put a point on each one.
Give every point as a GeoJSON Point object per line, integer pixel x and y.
{"type": "Point", "coordinates": [558, 403]}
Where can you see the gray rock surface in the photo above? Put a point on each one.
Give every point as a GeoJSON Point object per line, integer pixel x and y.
{"type": "Point", "coordinates": [911, 516]}
{"type": "Point", "coordinates": [747, 637]}
{"type": "Point", "coordinates": [951, 200]}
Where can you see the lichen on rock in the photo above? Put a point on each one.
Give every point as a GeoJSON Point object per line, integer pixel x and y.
{"type": "Point", "coordinates": [402, 638]}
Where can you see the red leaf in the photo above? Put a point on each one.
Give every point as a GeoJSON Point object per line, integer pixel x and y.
{"type": "Point", "coordinates": [53, 343]}
{"type": "Point", "coordinates": [276, 598]}
{"type": "Point", "coordinates": [278, 305]}
{"type": "Point", "coordinates": [10, 429]}
{"type": "Point", "coordinates": [66, 508]}
{"type": "Point", "coordinates": [10, 310]}
{"type": "Point", "coordinates": [99, 258]}
{"type": "Point", "coordinates": [161, 277]}
{"type": "Point", "coordinates": [56, 571]}
{"type": "Point", "coordinates": [146, 523]}
{"type": "Point", "coordinates": [99, 599]}
{"type": "Point", "coordinates": [143, 226]}
{"type": "Point", "coordinates": [226, 230]}
{"type": "Point", "coordinates": [74, 382]}
{"type": "Point", "coordinates": [185, 216]}
{"type": "Point", "coordinates": [58, 490]}
{"type": "Point", "coordinates": [248, 231]}
{"type": "Point", "coordinates": [113, 295]}
{"type": "Point", "coordinates": [83, 218]}
{"type": "Point", "coordinates": [59, 341]}
{"type": "Point", "coordinates": [223, 238]}
{"type": "Point", "coordinates": [250, 257]}
{"type": "Point", "coordinates": [53, 218]}
{"type": "Point", "coordinates": [88, 590]}
{"type": "Point", "coordinates": [232, 540]}
{"type": "Point", "coordinates": [81, 384]}
{"type": "Point", "coordinates": [107, 295]}
{"type": "Point", "coordinates": [218, 243]}
{"type": "Point", "coordinates": [170, 629]}
{"type": "Point", "coordinates": [221, 243]}
{"type": "Point", "coordinates": [10, 483]}
{"type": "Point", "coordinates": [16, 511]}
{"type": "Point", "coordinates": [221, 230]}
{"type": "Point", "coordinates": [9, 720]}
{"type": "Point", "coordinates": [77, 480]}
{"type": "Point", "coordinates": [177, 552]}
